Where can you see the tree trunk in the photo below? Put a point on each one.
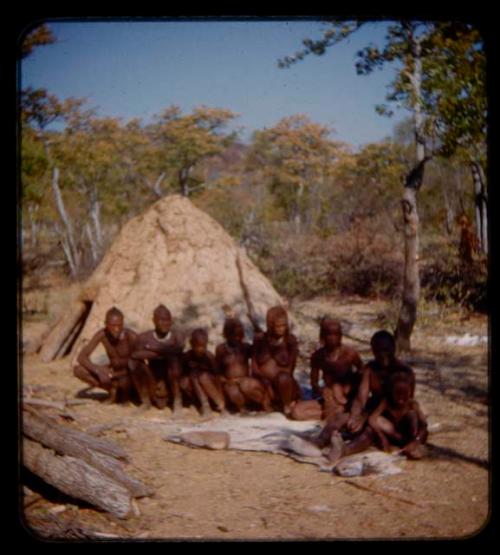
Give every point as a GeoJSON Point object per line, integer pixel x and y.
{"type": "Point", "coordinates": [92, 242]}
{"type": "Point", "coordinates": [481, 205]}
{"type": "Point", "coordinates": [411, 278]}
{"type": "Point", "coordinates": [69, 245]}
{"type": "Point", "coordinates": [157, 186]}
{"type": "Point", "coordinates": [95, 214]}
{"type": "Point", "coordinates": [298, 207]}
{"type": "Point", "coordinates": [77, 479]}
{"type": "Point", "coordinates": [184, 181]}
{"type": "Point", "coordinates": [32, 209]}
{"type": "Point", "coordinates": [413, 182]}
{"type": "Point", "coordinates": [60, 438]}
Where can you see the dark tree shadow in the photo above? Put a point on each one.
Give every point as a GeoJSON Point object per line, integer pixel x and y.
{"type": "Point", "coordinates": [438, 452]}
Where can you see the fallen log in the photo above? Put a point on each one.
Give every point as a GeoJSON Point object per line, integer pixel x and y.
{"type": "Point", "coordinates": [77, 479]}
{"type": "Point", "coordinates": [56, 437]}
{"type": "Point", "coordinates": [103, 446]}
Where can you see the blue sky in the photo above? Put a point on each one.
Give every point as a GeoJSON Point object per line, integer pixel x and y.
{"type": "Point", "coordinates": [136, 69]}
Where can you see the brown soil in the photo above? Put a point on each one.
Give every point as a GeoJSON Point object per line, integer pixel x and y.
{"type": "Point", "coordinates": [226, 495]}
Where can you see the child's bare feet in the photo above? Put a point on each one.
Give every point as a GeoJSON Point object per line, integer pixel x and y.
{"type": "Point", "coordinates": [337, 447]}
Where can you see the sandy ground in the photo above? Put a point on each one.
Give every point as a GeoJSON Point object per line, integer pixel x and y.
{"type": "Point", "coordinates": [234, 495]}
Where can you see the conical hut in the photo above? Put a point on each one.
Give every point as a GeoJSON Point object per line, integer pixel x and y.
{"type": "Point", "coordinates": [174, 254]}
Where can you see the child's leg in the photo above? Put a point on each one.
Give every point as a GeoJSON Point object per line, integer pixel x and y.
{"type": "Point", "coordinates": [209, 385]}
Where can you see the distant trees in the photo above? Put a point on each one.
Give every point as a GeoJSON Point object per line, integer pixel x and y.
{"type": "Point", "coordinates": [98, 167]}
{"type": "Point", "coordinates": [316, 215]}
{"type": "Point", "coordinates": [296, 157]}
{"type": "Point", "coordinates": [181, 143]}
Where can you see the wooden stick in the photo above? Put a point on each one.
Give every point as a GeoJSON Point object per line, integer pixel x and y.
{"type": "Point", "coordinates": [385, 494]}
{"type": "Point", "coordinates": [43, 403]}
{"type": "Point", "coordinates": [59, 333]}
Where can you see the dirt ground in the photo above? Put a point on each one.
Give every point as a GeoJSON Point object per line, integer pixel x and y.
{"type": "Point", "coordinates": [235, 495]}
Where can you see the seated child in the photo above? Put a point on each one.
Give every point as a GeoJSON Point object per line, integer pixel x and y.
{"type": "Point", "coordinates": [399, 419]}
{"type": "Point", "coordinates": [340, 367]}
{"type": "Point", "coordinates": [200, 381]}
{"type": "Point", "coordinates": [232, 362]}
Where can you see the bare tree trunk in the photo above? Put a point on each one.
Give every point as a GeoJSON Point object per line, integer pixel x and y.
{"type": "Point", "coordinates": [93, 245]}
{"type": "Point", "coordinates": [298, 206]}
{"type": "Point", "coordinates": [67, 250]}
{"type": "Point", "coordinates": [413, 182]}
{"type": "Point", "coordinates": [69, 244]}
{"type": "Point", "coordinates": [184, 180]}
{"type": "Point", "coordinates": [449, 213]}
{"type": "Point", "coordinates": [411, 279]}
{"type": "Point", "coordinates": [95, 214]}
{"type": "Point", "coordinates": [481, 205]}
{"type": "Point", "coordinates": [32, 209]}
{"type": "Point", "coordinates": [157, 186]}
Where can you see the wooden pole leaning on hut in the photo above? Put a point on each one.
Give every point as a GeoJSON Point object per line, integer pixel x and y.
{"type": "Point", "coordinates": [63, 332]}
{"type": "Point", "coordinates": [80, 465]}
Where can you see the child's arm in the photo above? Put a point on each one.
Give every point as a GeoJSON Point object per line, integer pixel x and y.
{"type": "Point", "coordinates": [101, 371]}
{"type": "Point", "coordinates": [422, 421]}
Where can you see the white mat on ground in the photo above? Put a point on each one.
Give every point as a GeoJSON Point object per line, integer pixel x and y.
{"type": "Point", "coordinates": [274, 433]}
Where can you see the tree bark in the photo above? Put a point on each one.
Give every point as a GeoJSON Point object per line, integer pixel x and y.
{"type": "Point", "coordinates": [78, 479]}
{"type": "Point", "coordinates": [411, 278]}
{"type": "Point", "coordinates": [60, 439]}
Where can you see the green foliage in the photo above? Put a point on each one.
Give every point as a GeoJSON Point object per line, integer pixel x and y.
{"type": "Point", "coordinates": [295, 159]}
{"type": "Point", "coordinates": [183, 142]}
{"type": "Point", "coordinates": [39, 36]}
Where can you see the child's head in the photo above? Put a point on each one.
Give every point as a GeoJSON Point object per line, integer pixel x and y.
{"type": "Point", "coordinates": [400, 389]}
{"type": "Point", "coordinates": [233, 331]}
{"type": "Point", "coordinates": [277, 321]}
{"type": "Point", "coordinates": [199, 341]}
{"type": "Point", "coordinates": [162, 319]}
{"type": "Point", "coordinates": [113, 322]}
{"type": "Point", "coordinates": [383, 347]}
{"type": "Point", "coordinates": [330, 332]}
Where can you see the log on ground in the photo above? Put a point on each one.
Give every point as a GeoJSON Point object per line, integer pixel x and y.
{"type": "Point", "coordinates": [56, 437]}
{"type": "Point", "coordinates": [77, 479]}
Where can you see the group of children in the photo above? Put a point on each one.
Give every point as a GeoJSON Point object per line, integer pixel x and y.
{"type": "Point", "coordinates": [361, 404]}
